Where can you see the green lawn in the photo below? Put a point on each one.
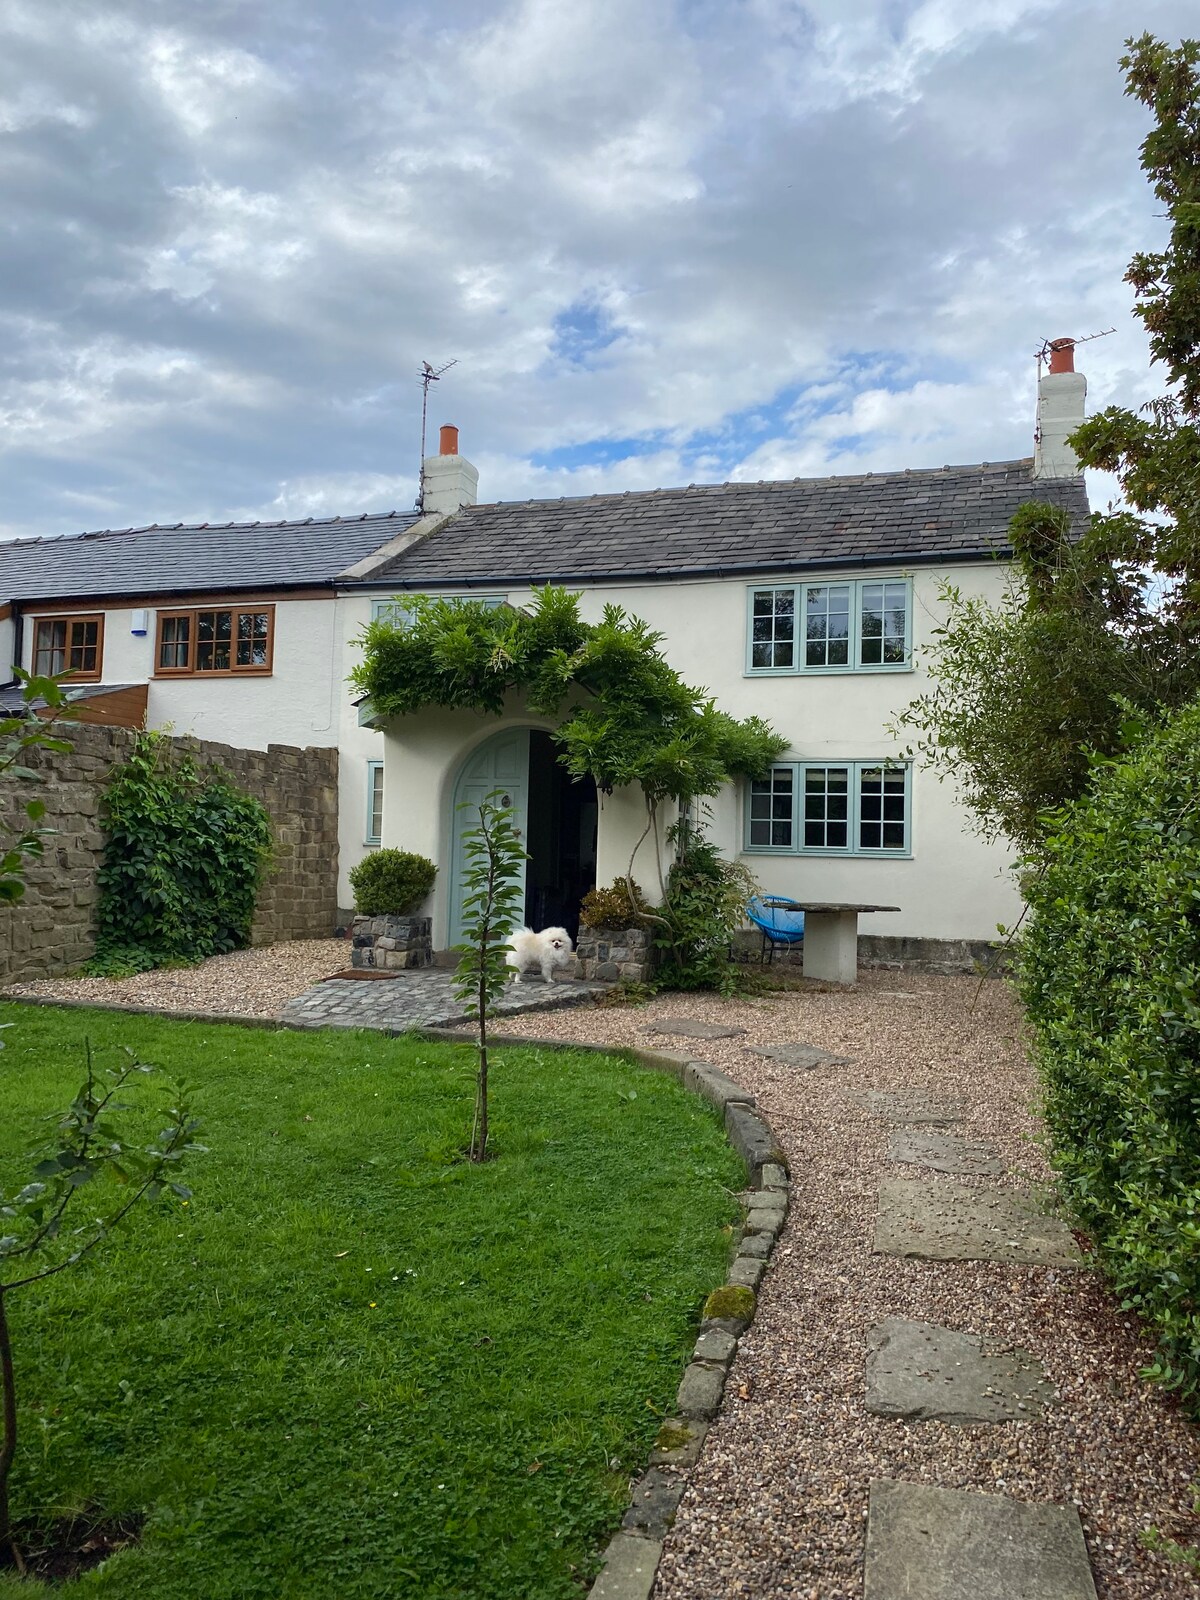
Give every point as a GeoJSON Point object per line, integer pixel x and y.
{"type": "Point", "coordinates": [352, 1365]}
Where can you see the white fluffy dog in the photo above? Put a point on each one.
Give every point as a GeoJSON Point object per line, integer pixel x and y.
{"type": "Point", "coordinates": [548, 950]}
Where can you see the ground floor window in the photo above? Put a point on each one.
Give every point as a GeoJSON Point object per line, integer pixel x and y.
{"type": "Point", "coordinates": [68, 644]}
{"type": "Point", "coordinates": [831, 808]}
{"type": "Point", "coordinates": [217, 640]}
{"type": "Point", "coordinates": [374, 802]}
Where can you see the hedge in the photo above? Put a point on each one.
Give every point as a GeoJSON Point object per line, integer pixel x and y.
{"type": "Point", "coordinates": [1110, 976]}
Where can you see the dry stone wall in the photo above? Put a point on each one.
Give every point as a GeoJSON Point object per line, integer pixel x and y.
{"type": "Point", "coordinates": [52, 931]}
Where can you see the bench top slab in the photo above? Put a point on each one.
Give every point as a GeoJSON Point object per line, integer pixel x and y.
{"type": "Point", "coordinates": [831, 905]}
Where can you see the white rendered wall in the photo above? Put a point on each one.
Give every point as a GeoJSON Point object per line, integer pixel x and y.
{"type": "Point", "coordinates": [954, 886]}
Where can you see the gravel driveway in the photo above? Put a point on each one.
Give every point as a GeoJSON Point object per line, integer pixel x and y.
{"type": "Point", "coordinates": [245, 983]}
{"type": "Point", "coordinates": [777, 1506]}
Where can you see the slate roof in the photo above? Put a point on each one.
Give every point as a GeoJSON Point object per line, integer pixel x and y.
{"type": "Point", "coordinates": [940, 514]}
{"type": "Point", "coordinates": [191, 557]}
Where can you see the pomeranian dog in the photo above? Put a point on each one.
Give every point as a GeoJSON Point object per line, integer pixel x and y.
{"type": "Point", "coordinates": [548, 950]}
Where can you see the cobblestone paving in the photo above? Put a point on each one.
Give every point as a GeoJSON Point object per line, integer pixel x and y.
{"type": "Point", "coordinates": [421, 999]}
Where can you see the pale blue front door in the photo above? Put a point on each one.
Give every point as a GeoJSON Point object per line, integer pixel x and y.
{"type": "Point", "coordinates": [501, 763]}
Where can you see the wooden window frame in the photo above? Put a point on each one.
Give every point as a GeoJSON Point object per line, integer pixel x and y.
{"type": "Point", "coordinates": [236, 608]}
{"type": "Point", "coordinates": [69, 618]}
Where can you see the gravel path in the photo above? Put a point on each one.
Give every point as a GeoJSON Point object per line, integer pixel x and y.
{"type": "Point", "coordinates": [245, 983]}
{"type": "Point", "coordinates": [777, 1506]}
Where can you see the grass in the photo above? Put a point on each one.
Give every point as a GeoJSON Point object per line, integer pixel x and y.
{"type": "Point", "coordinates": [354, 1365]}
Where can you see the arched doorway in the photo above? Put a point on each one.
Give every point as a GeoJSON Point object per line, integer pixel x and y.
{"type": "Point", "coordinates": [557, 817]}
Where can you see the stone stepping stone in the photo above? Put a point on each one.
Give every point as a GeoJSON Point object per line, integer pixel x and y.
{"type": "Point", "coordinates": [944, 1153]}
{"type": "Point", "coordinates": [804, 1056]}
{"type": "Point", "coordinates": [923, 1373]}
{"type": "Point", "coordinates": [688, 1028]}
{"type": "Point", "coordinates": [908, 1105]}
{"type": "Point", "coordinates": [925, 1543]}
{"type": "Point", "coordinates": [938, 1219]}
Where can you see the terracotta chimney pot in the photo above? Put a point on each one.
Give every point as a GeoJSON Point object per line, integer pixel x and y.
{"type": "Point", "coordinates": [1062, 355]}
{"type": "Point", "coordinates": [448, 436]}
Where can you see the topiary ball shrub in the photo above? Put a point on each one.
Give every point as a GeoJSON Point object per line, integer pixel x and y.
{"type": "Point", "coordinates": [1110, 976]}
{"type": "Point", "coordinates": [613, 907]}
{"type": "Point", "coordinates": [391, 883]}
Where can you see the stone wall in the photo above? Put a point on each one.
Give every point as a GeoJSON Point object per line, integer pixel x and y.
{"type": "Point", "coordinates": [615, 954]}
{"type": "Point", "coordinates": [391, 943]}
{"type": "Point", "coordinates": [52, 930]}
{"type": "Point", "coordinates": [944, 957]}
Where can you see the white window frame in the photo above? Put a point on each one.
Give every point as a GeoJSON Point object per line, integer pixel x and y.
{"type": "Point", "coordinates": [852, 847]}
{"type": "Point", "coordinates": [374, 776]}
{"type": "Point", "coordinates": [854, 664]}
{"type": "Point", "coordinates": [395, 606]}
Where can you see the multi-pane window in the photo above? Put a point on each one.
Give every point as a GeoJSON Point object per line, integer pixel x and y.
{"type": "Point", "coordinates": [218, 640]}
{"type": "Point", "coordinates": [398, 612]}
{"type": "Point", "coordinates": [854, 626]}
{"type": "Point", "coordinates": [831, 808]}
{"type": "Point", "coordinates": [773, 629]}
{"type": "Point", "coordinates": [374, 801]}
{"type": "Point", "coordinates": [68, 644]}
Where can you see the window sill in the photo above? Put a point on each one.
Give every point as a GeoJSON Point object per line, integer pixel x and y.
{"type": "Point", "coordinates": [826, 855]}
{"type": "Point", "coordinates": [827, 672]}
{"type": "Point", "coordinates": [242, 672]}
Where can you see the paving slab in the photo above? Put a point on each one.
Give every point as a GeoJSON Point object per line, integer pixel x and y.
{"type": "Point", "coordinates": [422, 998]}
{"type": "Point", "coordinates": [805, 1056]}
{"type": "Point", "coordinates": [925, 1543]}
{"type": "Point", "coordinates": [923, 1373]}
{"type": "Point", "coordinates": [943, 1152]}
{"type": "Point", "coordinates": [939, 1219]}
{"type": "Point", "coordinates": [690, 1028]}
{"type": "Point", "coordinates": [907, 1105]}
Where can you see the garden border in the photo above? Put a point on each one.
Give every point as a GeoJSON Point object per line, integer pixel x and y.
{"type": "Point", "coordinates": [632, 1556]}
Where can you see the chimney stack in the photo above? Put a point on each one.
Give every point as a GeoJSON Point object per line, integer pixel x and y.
{"type": "Point", "coordinates": [448, 480]}
{"type": "Point", "coordinates": [1061, 395]}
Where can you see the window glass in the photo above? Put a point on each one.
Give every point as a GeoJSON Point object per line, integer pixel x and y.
{"type": "Point", "coordinates": [827, 625]}
{"type": "Point", "coordinates": [826, 808]}
{"type": "Point", "coordinates": [882, 809]}
{"type": "Point", "coordinates": [883, 624]}
{"type": "Point", "coordinates": [771, 809]}
{"type": "Point", "coordinates": [773, 628]}
{"type": "Point", "coordinates": [374, 801]}
{"type": "Point", "coordinates": [215, 640]}
{"type": "Point", "coordinates": [175, 642]}
{"type": "Point", "coordinates": [252, 634]}
{"type": "Point", "coordinates": [50, 646]}
{"type": "Point", "coordinates": [68, 644]}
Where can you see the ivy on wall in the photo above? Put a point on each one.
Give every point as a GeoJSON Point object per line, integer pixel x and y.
{"type": "Point", "coordinates": [185, 855]}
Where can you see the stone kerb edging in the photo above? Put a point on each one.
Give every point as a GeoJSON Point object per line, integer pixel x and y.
{"type": "Point", "coordinates": [632, 1557]}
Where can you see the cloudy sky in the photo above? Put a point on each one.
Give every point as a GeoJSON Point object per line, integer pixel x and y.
{"type": "Point", "coordinates": [666, 241]}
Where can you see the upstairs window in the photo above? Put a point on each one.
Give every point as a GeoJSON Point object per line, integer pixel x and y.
{"type": "Point", "coordinates": [397, 612]}
{"type": "Point", "coordinates": [858, 808]}
{"type": "Point", "coordinates": [855, 626]}
{"type": "Point", "coordinates": [69, 644]}
{"type": "Point", "coordinates": [216, 641]}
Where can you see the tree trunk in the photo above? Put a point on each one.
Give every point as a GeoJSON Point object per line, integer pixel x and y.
{"type": "Point", "coordinates": [9, 1447]}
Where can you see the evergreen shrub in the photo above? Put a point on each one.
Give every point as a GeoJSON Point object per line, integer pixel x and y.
{"type": "Point", "coordinates": [1110, 976]}
{"type": "Point", "coordinates": [391, 883]}
{"type": "Point", "coordinates": [614, 907]}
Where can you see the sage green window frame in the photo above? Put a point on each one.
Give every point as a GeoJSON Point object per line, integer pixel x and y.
{"type": "Point", "coordinates": [374, 827]}
{"type": "Point", "coordinates": [864, 808]}
{"type": "Point", "coordinates": [865, 598]}
{"type": "Point", "coordinates": [396, 611]}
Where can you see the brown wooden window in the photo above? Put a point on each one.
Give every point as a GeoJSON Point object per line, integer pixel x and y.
{"type": "Point", "coordinates": [68, 644]}
{"type": "Point", "coordinates": [217, 640]}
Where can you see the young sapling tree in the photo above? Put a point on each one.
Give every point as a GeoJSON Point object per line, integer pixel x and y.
{"type": "Point", "coordinates": [492, 905]}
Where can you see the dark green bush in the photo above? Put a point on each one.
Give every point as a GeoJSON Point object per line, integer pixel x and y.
{"type": "Point", "coordinates": [183, 859]}
{"type": "Point", "coordinates": [1110, 976]}
{"type": "Point", "coordinates": [704, 908]}
{"type": "Point", "coordinates": [391, 883]}
{"type": "Point", "coordinates": [613, 907]}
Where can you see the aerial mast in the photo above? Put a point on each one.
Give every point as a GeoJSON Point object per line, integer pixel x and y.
{"type": "Point", "coordinates": [427, 376]}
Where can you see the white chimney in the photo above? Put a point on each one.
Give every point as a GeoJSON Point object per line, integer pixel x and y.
{"type": "Point", "coordinates": [448, 480]}
{"type": "Point", "coordinates": [1061, 394]}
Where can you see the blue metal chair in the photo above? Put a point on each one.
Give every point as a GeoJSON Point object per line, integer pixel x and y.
{"type": "Point", "coordinates": [778, 925]}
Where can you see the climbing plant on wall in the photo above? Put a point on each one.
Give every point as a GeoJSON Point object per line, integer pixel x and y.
{"type": "Point", "coordinates": [627, 717]}
{"type": "Point", "coordinates": [184, 857]}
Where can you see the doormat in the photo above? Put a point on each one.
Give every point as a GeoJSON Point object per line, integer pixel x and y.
{"type": "Point", "coordinates": [362, 972]}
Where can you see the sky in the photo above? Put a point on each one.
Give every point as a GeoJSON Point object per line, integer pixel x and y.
{"type": "Point", "coordinates": [663, 241]}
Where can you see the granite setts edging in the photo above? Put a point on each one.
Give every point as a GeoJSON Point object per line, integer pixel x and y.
{"type": "Point", "coordinates": [632, 1557]}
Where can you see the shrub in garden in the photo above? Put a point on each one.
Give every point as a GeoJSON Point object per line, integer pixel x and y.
{"type": "Point", "coordinates": [704, 907]}
{"type": "Point", "coordinates": [1110, 976]}
{"type": "Point", "coordinates": [391, 883]}
{"type": "Point", "coordinates": [621, 905]}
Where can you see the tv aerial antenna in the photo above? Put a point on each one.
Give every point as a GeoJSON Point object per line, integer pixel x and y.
{"type": "Point", "coordinates": [427, 375]}
{"type": "Point", "coordinates": [1042, 355]}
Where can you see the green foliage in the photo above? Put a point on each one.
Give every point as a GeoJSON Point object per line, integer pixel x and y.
{"type": "Point", "coordinates": [705, 906]}
{"type": "Point", "coordinates": [184, 857]}
{"type": "Point", "coordinates": [20, 734]}
{"type": "Point", "coordinates": [89, 1143]}
{"type": "Point", "coordinates": [621, 905]}
{"type": "Point", "coordinates": [492, 903]}
{"type": "Point", "coordinates": [1156, 453]}
{"type": "Point", "coordinates": [627, 716]}
{"type": "Point", "coordinates": [284, 1436]}
{"type": "Point", "coordinates": [391, 883]}
{"type": "Point", "coordinates": [1110, 976]}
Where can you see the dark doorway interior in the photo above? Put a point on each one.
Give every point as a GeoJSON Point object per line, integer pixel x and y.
{"type": "Point", "coordinates": [560, 838]}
